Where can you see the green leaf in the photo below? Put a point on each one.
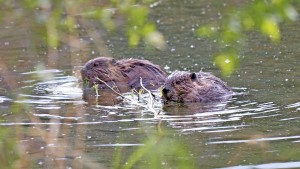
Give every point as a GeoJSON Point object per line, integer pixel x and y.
{"type": "Point", "coordinates": [227, 63]}
{"type": "Point", "coordinates": [206, 31]}
{"type": "Point", "coordinates": [148, 28]}
{"type": "Point", "coordinates": [155, 39]}
{"type": "Point", "coordinates": [134, 39]}
{"type": "Point", "coordinates": [138, 15]}
{"type": "Point", "coordinates": [270, 28]}
{"type": "Point", "coordinates": [106, 19]}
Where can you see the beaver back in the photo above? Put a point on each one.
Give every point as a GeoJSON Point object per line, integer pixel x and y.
{"type": "Point", "coordinates": [123, 74]}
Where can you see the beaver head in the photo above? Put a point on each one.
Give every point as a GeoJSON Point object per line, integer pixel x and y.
{"type": "Point", "coordinates": [103, 68]}
{"type": "Point", "coordinates": [182, 86]}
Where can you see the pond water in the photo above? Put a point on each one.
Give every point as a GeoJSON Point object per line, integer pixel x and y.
{"type": "Point", "coordinates": [41, 101]}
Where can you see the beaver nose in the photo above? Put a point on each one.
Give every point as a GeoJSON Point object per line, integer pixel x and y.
{"type": "Point", "coordinates": [165, 90]}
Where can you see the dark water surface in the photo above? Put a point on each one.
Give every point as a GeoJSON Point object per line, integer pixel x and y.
{"type": "Point", "coordinates": [41, 99]}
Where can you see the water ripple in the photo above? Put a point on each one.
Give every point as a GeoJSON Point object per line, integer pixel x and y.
{"type": "Point", "coordinates": [42, 71]}
{"type": "Point", "coordinates": [117, 145]}
{"type": "Point", "coordinates": [254, 140]}
{"type": "Point", "coordinates": [210, 129]}
{"type": "Point", "coordinates": [294, 105]}
{"type": "Point", "coordinates": [4, 99]}
{"type": "Point", "coordinates": [295, 164]}
{"type": "Point", "coordinates": [56, 116]}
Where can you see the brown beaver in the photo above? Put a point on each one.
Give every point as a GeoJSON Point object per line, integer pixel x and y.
{"type": "Point", "coordinates": [124, 74]}
{"type": "Point", "coordinates": [182, 86]}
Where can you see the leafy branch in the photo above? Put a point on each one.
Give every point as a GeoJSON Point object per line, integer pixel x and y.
{"type": "Point", "coordinates": [264, 16]}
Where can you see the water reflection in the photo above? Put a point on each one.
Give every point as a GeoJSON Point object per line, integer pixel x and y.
{"type": "Point", "coordinates": [54, 89]}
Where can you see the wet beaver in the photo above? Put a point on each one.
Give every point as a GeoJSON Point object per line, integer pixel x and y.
{"type": "Point", "coordinates": [124, 74]}
{"type": "Point", "coordinates": [182, 86]}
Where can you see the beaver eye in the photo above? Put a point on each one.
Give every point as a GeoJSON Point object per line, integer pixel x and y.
{"type": "Point", "coordinates": [113, 61]}
{"type": "Point", "coordinates": [177, 82]}
{"type": "Point", "coordinates": [193, 76]}
{"type": "Point", "coordinates": [95, 65]}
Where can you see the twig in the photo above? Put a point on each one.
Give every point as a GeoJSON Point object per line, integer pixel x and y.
{"type": "Point", "coordinates": [151, 103]}
{"type": "Point", "coordinates": [111, 88]}
{"type": "Point", "coordinates": [119, 94]}
{"type": "Point", "coordinates": [113, 82]}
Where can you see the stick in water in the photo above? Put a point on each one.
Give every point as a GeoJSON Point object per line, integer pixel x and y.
{"type": "Point", "coordinates": [151, 103]}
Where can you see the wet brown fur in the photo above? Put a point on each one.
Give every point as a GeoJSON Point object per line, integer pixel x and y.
{"type": "Point", "coordinates": [182, 86]}
{"type": "Point", "coordinates": [124, 74]}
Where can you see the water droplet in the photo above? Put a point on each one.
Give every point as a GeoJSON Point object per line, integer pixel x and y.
{"type": "Point", "coordinates": [93, 52]}
{"type": "Point", "coordinates": [227, 61]}
{"type": "Point", "coordinates": [40, 163]}
{"type": "Point", "coordinates": [77, 26]}
{"type": "Point", "coordinates": [173, 50]}
{"type": "Point", "coordinates": [6, 43]}
{"type": "Point", "coordinates": [192, 46]}
{"type": "Point", "coordinates": [166, 67]}
{"type": "Point", "coordinates": [286, 80]}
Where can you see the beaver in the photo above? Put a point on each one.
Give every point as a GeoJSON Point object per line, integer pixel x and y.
{"type": "Point", "coordinates": [124, 74]}
{"type": "Point", "coordinates": [183, 86]}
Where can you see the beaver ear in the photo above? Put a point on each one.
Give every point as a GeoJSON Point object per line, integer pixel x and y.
{"type": "Point", "coordinates": [193, 76]}
{"type": "Point", "coordinates": [113, 61]}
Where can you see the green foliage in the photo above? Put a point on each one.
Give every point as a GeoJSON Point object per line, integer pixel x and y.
{"type": "Point", "coordinates": [60, 18]}
{"type": "Point", "coordinates": [8, 148]}
{"type": "Point", "coordinates": [227, 62]}
{"type": "Point", "coordinates": [96, 88]}
{"type": "Point", "coordinates": [160, 150]}
{"type": "Point", "coordinates": [138, 26]}
{"type": "Point", "coordinates": [264, 16]}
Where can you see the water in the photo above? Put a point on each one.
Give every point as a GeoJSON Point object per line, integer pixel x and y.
{"type": "Point", "coordinates": [41, 99]}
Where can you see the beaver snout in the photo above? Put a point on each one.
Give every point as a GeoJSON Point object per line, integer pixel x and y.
{"type": "Point", "coordinates": [165, 94]}
{"type": "Point", "coordinates": [165, 91]}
